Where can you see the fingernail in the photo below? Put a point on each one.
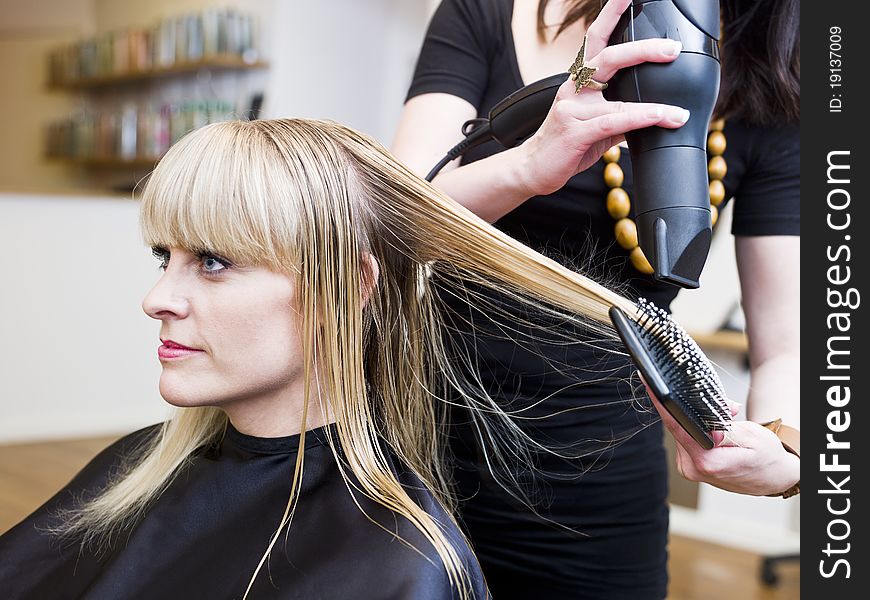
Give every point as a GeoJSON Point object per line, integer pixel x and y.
{"type": "Point", "coordinates": [678, 115]}
{"type": "Point", "coordinates": [673, 48]}
{"type": "Point", "coordinates": [655, 112]}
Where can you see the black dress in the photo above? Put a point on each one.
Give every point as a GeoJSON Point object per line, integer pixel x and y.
{"type": "Point", "coordinates": [613, 500]}
{"type": "Point", "coordinates": [205, 535]}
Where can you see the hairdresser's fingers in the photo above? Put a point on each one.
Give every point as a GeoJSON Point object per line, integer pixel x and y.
{"type": "Point", "coordinates": [748, 459]}
{"type": "Point", "coordinates": [621, 56]}
{"type": "Point", "coordinates": [711, 466]}
{"type": "Point", "coordinates": [600, 30]}
{"type": "Point", "coordinates": [734, 407]}
{"type": "Point", "coordinates": [729, 468]}
{"type": "Point", "coordinates": [747, 434]}
{"type": "Point", "coordinates": [757, 466]}
{"type": "Point", "coordinates": [742, 434]}
{"type": "Point", "coordinates": [591, 108]}
{"type": "Point", "coordinates": [629, 119]}
{"type": "Point", "coordinates": [696, 453]}
{"type": "Point", "coordinates": [685, 463]}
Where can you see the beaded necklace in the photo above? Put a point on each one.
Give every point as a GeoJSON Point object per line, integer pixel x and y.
{"type": "Point", "coordinates": [619, 203]}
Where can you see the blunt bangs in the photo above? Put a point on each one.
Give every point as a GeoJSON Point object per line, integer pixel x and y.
{"type": "Point", "coordinates": [226, 190]}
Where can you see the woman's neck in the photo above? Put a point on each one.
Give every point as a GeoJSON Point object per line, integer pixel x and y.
{"type": "Point", "coordinates": [277, 416]}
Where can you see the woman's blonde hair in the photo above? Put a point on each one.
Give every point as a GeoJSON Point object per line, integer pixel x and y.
{"type": "Point", "coordinates": [317, 201]}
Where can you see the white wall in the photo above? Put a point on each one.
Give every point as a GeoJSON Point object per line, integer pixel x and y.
{"type": "Point", "coordinates": [78, 356]}
{"type": "Point", "coordinates": [707, 308]}
{"type": "Point", "coordinates": [346, 60]}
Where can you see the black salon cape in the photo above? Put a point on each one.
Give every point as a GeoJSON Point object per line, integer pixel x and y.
{"type": "Point", "coordinates": [204, 537]}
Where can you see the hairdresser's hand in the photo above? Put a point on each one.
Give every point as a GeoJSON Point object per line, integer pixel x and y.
{"type": "Point", "coordinates": [580, 127]}
{"type": "Point", "coordinates": [747, 459]}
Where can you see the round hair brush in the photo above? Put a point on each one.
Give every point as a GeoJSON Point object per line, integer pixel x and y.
{"type": "Point", "coordinates": [676, 370]}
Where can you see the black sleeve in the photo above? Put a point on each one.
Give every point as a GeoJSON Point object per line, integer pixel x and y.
{"type": "Point", "coordinates": [457, 50]}
{"type": "Point", "coordinates": [767, 199]}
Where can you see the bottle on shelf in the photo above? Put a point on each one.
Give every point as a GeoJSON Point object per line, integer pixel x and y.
{"type": "Point", "coordinates": [130, 132]}
{"type": "Point", "coordinates": [140, 94]}
{"type": "Point", "coordinates": [212, 37]}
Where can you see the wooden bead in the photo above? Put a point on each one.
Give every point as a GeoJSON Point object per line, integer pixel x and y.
{"type": "Point", "coordinates": [716, 167]}
{"type": "Point", "coordinates": [612, 155]}
{"type": "Point", "coordinates": [717, 125]}
{"type": "Point", "coordinates": [613, 175]}
{"type": "Point", "coordinates": [716, 143]}
{"type": "Point", "coordinates": [717, 192]}
{"type": "Point", "coordinates": [714, 215]}
{"type": "Point", "coordinates": [626, 233]}
{"type": "Point", "coordinates": [618, 203]}
{"type": "Point", "coordinates": [640, 262]}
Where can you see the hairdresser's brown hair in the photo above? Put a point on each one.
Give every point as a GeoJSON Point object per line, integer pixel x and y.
{"type": "Point", "coordinates": [761, 61]}
{"type": "Point", "coordinates": [579, 9]}
{"type": "Point", "coordinates": [760, 53]}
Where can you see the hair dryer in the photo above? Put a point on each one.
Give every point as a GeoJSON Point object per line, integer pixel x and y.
{"type": "Point", "coordinates": [669, 166]}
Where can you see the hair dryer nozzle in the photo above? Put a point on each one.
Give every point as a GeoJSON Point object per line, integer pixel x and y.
{"type": "Point", "coordinates": [680, 244]}
{"type": "Point", "coordinates": [673, 212]}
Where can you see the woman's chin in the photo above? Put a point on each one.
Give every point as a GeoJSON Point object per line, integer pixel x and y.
{"type": "Point", "coordinates": [181, 396]}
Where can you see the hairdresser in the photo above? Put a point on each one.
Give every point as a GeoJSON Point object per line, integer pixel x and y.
{"type": "Point", "coordinates": [599, 528]}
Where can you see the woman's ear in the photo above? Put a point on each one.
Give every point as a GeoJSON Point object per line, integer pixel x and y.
{"type": "Point", "coordinates": [371, 270]}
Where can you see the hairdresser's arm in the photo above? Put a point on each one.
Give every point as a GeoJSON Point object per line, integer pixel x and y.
{"type": "Point", "coordinates": [576, 131]}
{"type": "Point", "coordinates": [750, 459]}
{"type": "Point", "coordinates": [429, 127]}
{"type": "Point", "coordinates": [770, 280]}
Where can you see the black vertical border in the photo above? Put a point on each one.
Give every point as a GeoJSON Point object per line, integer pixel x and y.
{"type": "Point", "coordinates": [822, 132]}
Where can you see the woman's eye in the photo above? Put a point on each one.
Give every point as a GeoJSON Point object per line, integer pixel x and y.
{"type": "Point", "coordinates": [207, 263]}
{"type": "Point", "coordinates": [212, 264]}
{"type": "Point", "coordinates": [162, 256]}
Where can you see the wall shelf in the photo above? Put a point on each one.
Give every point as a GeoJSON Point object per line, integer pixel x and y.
{"type": "Point", "coordinates": [218, 62]}
{"type": "Point", "coordinates": [106, 163]}
{"type": "Point", "coordinates": [140, 89]}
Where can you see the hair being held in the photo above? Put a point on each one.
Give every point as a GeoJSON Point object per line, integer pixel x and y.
{"type": "Point", "coordinates": [322, 204]}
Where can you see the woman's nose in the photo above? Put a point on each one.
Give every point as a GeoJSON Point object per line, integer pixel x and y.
{"type": "Point", "coordinates": [167, 299]}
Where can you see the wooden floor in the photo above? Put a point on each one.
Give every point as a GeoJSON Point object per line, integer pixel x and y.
{"type": "Point", "coordinates": [31, 473]}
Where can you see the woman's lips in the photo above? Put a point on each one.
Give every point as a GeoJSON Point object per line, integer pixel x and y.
{"type": "Point", "coordinates": [170, 350]}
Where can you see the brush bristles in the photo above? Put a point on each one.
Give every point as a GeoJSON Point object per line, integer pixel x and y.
{"type": "Point", "coordinates": [691, 377]}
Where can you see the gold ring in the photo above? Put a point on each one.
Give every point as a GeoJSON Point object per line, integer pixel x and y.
{"type": "Point", "coordinates": [592, 85]}
{"type": "Point", "coordinates": [582, 74]}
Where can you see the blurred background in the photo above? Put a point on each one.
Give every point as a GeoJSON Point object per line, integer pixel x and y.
{"type": "Point", "coordinates": [95, 91]}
